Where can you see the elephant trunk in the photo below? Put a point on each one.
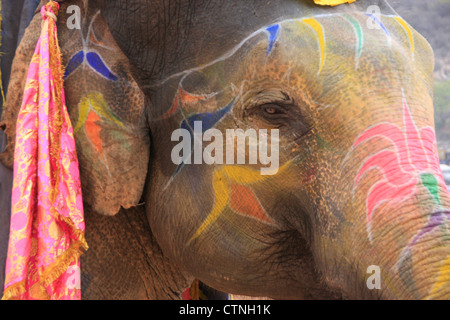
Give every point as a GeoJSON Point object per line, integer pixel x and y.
{"type": "Point", "coordinates": [407, 253]}
{"type": "Point", "coordinates": [421, 270]}
{"type": "Point", "coordinates": [394, 209]}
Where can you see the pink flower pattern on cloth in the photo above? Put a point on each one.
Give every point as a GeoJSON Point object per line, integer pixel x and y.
{"type": "Point", "coordinates": [47, 218]}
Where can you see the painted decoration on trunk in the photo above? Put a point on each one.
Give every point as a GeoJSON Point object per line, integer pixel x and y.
{"type": "Point", "coordinates": [411, 160]}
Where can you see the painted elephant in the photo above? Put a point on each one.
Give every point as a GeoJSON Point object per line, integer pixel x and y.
{"type": "Point", "coordinates": [279, 148]}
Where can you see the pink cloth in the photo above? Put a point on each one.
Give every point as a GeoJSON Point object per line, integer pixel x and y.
{"type": "Point", "coordinates": [47, 219]}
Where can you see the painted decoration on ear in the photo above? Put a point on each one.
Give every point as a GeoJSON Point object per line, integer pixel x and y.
{"type": "Point", "coordinates": [89, 56]}
{"type": "Point", "coordinates": [94, 61]}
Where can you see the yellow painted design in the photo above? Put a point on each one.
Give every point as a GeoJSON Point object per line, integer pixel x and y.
{"type": "Point", "coordinates": [95, 101]}
{"type": "Point", "coordinates": [407, 30]}
{"type": "Point", "coordinates": [332, 2]}
{"type": "Point", "coordinates": [222, 179]}
{"type": "Point", "coordinates": [242, 175]}
{"type": "Point", "coordinates": [221, 195]}
{"type": "Point", "coordinates": [443, 279]}
{"type": "Point", "coordinates": [317, 27]}
{"type": "Point", "coordinates": [83, 113]}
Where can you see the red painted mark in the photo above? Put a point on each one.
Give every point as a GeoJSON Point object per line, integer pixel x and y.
{"type": "Point", "coordinates": [94, 39]}
{"type": "Point", "coordinates": [244, 201]}
{"type": "Point", "coordinates": [182, 97]}
{"type": "Point", "coordinates": [93, 131]}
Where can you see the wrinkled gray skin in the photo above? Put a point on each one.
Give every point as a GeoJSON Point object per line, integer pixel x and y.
{"type": "Point", "coordinates": [137, 255]}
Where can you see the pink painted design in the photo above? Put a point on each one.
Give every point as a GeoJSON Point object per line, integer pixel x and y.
{"type": "Point", "coordinates": [413, 153]}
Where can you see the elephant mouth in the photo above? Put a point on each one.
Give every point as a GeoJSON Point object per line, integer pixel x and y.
{"type": "Point", "coordinates": [297, 266]}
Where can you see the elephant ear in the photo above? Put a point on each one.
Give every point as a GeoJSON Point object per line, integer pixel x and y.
{"type": "Point", "coordinates": [107, 110]}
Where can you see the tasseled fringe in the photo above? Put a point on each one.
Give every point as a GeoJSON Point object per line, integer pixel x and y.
{"type": "Point", "coordinates": [51, 274]}
{"type": "Point", "coordinates": [54, 271]}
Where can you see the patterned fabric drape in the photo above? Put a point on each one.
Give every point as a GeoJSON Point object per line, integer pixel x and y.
{"type": "Point", "coordinates": [47, 218]}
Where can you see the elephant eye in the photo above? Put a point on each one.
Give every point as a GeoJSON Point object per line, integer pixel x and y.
{"type": "Point", "coordinates": [272, 109]}
{"type": "Point", "coordinates": [273, 113]}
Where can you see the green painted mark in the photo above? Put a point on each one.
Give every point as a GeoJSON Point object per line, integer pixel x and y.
{"type": "Point", "coordinates": [359, 35]}
{"type": "Point", "coordinates": [430, 182]}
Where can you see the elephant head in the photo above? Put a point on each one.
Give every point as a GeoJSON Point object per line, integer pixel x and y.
{"type": "Point", "coordinates": [290, 147]}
